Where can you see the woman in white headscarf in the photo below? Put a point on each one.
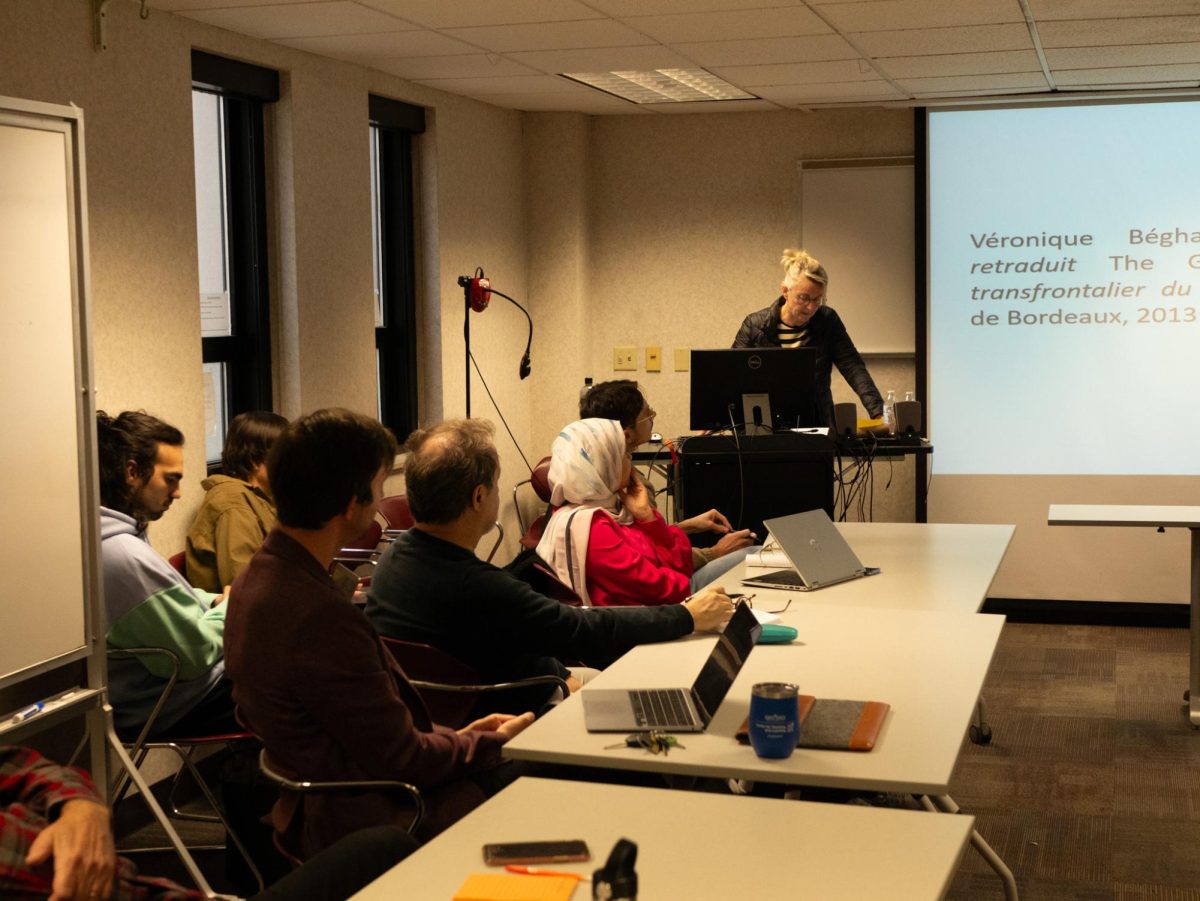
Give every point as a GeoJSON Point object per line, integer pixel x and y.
{"type": "Point", "coordinates": [605, 539]}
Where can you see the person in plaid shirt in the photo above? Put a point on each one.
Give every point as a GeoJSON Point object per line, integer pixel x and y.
{"type": "Point", "coordinates": [56, 842]}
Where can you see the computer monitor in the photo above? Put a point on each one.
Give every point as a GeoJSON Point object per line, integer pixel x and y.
{"type": "Point", "coordinates": [721, 378]}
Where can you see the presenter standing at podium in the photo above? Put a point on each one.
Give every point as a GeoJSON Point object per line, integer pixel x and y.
{"type": "Point", "coordinates": [799, 318]}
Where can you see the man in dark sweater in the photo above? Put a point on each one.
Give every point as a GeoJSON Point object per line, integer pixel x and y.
{"type": "Point", "coordinates": [311, 677]}
{"type": "Point", "coordinates": [430, 587]}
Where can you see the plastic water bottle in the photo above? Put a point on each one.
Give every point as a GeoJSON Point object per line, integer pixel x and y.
{"type": "Point", "coordinates": [909, 395]}
{"type": "Point", "coordinates": [889, 411]}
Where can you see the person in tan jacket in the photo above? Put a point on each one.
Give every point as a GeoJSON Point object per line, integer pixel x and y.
{"type": "Point", "coordinates": [237, 511]}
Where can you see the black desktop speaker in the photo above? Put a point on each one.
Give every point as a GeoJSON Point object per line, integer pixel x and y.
{"type": "Point", "coordinates": [845, 420]}
{"type": "Point", "coordinates": [908, 418]}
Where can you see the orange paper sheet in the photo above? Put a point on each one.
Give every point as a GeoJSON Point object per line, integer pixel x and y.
{"type": "Point", "coordinates": [508, 887]}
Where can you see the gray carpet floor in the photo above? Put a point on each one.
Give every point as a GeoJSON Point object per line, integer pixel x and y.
{"type": "Point", "coordinates": [1090, 789]}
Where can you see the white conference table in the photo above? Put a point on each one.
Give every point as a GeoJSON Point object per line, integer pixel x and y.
{"type": "Point", "coordinates": [923, 566]}
{"type": "Point", "coordinates": [699, 845]}
{"type": "Point", "coordinates": [1153, 517]}
{"type": "Point", "coordinates": [858, 653]}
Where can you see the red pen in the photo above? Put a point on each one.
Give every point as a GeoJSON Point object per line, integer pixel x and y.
{"type": "Point", "coordinates": [534, 871]}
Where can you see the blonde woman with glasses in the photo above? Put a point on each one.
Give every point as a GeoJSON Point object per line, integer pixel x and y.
{"type": "Point", "coordinates": [799, 317]}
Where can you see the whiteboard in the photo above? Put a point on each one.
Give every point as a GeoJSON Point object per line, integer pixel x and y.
{"type": "Point", "coordinates": [48, 584]}
{"type": "Point", "coordinates": [856, 217]}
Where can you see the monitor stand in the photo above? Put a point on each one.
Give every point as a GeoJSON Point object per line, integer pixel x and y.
{"type": "Point", "coordinates": [756, 414]}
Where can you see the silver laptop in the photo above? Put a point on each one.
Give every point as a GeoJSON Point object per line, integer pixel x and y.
{"type": "Point", "coordinates": [816, 550]}
{"type": "Point", "coordinates": [677, 709]}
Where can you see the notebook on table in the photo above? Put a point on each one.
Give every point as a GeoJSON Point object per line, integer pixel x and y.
{"type": "Point", "coordinates": [834, 725]}
{"type": "Point", "coordinates": [677, 709]}
{"type": "Point", "coordinates": [816, 549]}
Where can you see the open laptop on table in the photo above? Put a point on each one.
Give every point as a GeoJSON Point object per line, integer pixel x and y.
{"type": "Point", "coordinates": [816, 550]}
{"type": "Point", "coordinates": [677, 709]}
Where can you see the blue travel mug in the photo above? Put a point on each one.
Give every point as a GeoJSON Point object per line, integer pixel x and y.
{"type": "Point", "coordinates": [774, 719]}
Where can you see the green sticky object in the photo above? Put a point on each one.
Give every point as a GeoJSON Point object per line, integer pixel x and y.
{"type": "Point", "coordinates": [774, 633]}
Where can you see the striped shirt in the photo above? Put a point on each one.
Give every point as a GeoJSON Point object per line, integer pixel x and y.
{"type": "Point", "coordinates": [792, 335]}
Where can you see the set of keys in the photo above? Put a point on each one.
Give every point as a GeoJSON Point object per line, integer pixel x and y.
{"type": "Point", "coordinates": [654, 741]}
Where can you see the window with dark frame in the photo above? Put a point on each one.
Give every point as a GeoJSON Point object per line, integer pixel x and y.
{"type": "Point", "coordinates": [393, 125]}
{"type": "Point", "coordinates": [231, 212]}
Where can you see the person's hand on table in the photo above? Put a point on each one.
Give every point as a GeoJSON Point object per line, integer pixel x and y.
{"type": "Point", "coordinates": [573, 684]}
{"type": "Point", "coordinates": [506, 724]}
{"type": "Point", "coordinates": [710, 609]}
{"type": "Point", "coordinates": [732, 541]}
{"type": "Point", "coordinates": [712, 521]}
{"type": "Point", "coordinates": [636, 499]}
{"type": "Point", "coordinates": [80, 843]}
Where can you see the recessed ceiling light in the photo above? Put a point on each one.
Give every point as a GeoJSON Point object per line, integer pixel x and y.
{"type": "Point", "coordinates": [661, 85]}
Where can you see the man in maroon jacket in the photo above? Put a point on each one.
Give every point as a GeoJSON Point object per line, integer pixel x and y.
{"type": "Point", "coordinates": [311, 676]}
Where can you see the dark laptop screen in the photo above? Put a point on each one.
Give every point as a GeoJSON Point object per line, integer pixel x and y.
{"type": "Point", "coordinates": [727, 659]}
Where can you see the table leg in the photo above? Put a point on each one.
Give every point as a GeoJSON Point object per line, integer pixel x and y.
{"type": "Point", "coordinates": [979, 731]}
{"type": "Point", "coordinates": [1194, 679]}
{"type": "Point", "coordinates": [945, 804]}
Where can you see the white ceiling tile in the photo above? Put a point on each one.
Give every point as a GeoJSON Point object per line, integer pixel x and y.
{"type": "Point", "coordinates": [463, 13]}
{"type": "Point", "coordinates": [378, 46]}
{"type": "Point", "coordinates": [505, 84]}
{"type": "Point", "coordinates": [293, 20]}
{"type": "Point", "coordinates": [969, 84]}
{"type": "Point", "coordinates": [823, 93]}
{"type": "Point", "coordinates": [894, 15]}
{"type": "Point", "coordinates": [748, 77]}
{"type": "Point", "coordinates": [626, 8]}
{"type": "Point", "coordinates": [1046, 10]}
{"type": "Point", "coordinates": [782, 50]}
{"type": "Point", "coordinates": [1117, 32]}
{"type": "Point", "coordinates": [472, 65]}
{"type": "Point", "coordinates": [1139, 75]}
{"type": "Point", "coordinates": [603, 59]}
{"type": "Point", "coordinates": [551, 36]}
{"type": "Point", "coordinates": [730, 25]}
{"type": "Point", "coordinates": [963, 39]}
{"type": "Point", "coordinates": [1125, 57]}
{"type": "Point", "coordinates": [768, 51]}
{"type": "Point", "coordinates": [961, 64]}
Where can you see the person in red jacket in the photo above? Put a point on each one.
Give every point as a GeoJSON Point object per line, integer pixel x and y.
{"type": "Point", "coordinates": [605, 539]}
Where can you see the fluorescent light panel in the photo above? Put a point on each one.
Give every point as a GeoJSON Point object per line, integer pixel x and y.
{"type": "Point", "coordinates": [661, 85]}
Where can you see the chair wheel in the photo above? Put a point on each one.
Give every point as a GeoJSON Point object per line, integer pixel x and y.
{"type": "Point", "coordinates": [980, 735]}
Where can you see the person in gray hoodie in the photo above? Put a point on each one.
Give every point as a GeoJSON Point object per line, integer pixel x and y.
{"type": "Point", "coordinates": [148, 603]}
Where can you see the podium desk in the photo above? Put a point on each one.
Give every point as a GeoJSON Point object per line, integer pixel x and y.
{"type": "Point", "coordinates": [858, 653]}
{"type": "Point", "coordinates": [923, 566]}
{"type": "Point", "coordinates": [699, 845]}
{"type": "Point", "coordinates": [760, 476]}
{"type": "Point", "coordinates": [1159, 517]}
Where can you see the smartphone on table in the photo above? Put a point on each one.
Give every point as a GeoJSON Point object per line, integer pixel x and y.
{"type": "Point", "coordinates": [565, 851]}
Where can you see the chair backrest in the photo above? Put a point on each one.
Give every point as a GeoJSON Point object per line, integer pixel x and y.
{"type": "Point", "coordinates": [533, 535]}
{"type": "Point", "coordinates": [425, 663]}
{"type": "Point", "coordinates": [179, 562]}
{"type": "Point", "coordinates": [395, 510]}
{"type": "Point", "coordinates": [368, 540]}
{"type": "Point", "coordinates": [540, 479]}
